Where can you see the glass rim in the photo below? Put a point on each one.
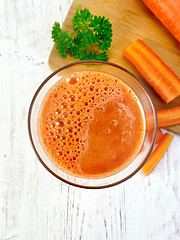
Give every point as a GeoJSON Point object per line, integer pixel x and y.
{"type": "Point", "coordinates": [36, 151]}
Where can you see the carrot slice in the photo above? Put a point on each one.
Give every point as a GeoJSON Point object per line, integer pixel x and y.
{"type": "Point", "coordinates": [167, 11]}
{"type": "Point", "coordinates": [154, 70]}
{"type": "Point", "coordinates": [158, 137]}
{"type": "Point", "coordinates": [168, 117]}
{"type": "Point", "coordinates": [157, 153]}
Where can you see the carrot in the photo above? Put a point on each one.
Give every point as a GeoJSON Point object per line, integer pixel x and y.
{"type": "Point", "coordinates": [157, 153]}
{"type": "Point", "coordinates": [168, 117]}
{"type": "Point", "coordinates": [159, 135]}
{"type": "Point", "coordinates": [168, 12]}
{"type": "Point", "coordinates": [154, 70]}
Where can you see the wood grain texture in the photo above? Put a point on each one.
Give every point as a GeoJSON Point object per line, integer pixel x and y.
{"type": "Point", "coordinates": [130, 20]}
{"type": "Point", "coordinates": [35, 205]}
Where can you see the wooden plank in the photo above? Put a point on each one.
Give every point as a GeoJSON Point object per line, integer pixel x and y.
{"type": "Point", "coordinates": [130, 20]}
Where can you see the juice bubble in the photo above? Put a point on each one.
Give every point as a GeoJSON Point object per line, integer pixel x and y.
{"type": "Point", "coordinates": [115, 122]}
{"type": "Point", "coordinates": [64, 105]}
{"type": "Point", "coordinates": [63, 137]}
{"type": "Point", "coordinates": [72, 98]}
{"type": "Point", "coordinates": [60, 122]}
{"type": "Point", "coordinates": [65, 114]}
{"type": "Point", "coordinates": [70, 129]}
{"type": "Point", "coordinates": [65, 96]}
{"type": "Point", "coordinates": [58, 111]}
{"type": "Point", "coordinates": [73, 80]}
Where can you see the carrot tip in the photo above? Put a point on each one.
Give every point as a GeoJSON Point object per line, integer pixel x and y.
{"type": "Point", "coordinates": [157, 153]}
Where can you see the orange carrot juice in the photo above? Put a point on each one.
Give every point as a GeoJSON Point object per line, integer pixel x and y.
{"type": "Point", "coordinates": [91, 124]}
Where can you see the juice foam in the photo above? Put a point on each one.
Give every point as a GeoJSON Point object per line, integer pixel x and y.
{"type": "Point", "coordinates": [91, 124]}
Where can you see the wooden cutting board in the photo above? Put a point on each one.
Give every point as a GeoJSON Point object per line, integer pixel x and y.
{"type": "Point", "coordinates": [130, 19]}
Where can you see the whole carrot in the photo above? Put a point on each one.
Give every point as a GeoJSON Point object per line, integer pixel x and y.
{"type": "Point", "coordinates": [168, 12]}
{"type": "Point", "coordinates": [154, 70]}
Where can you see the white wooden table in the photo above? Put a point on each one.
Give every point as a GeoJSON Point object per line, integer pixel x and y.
{"type": "Point", "coordinates": [33, 203]}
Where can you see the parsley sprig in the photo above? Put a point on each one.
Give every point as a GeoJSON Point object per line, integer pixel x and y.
{"type": "Point", "coordinates": [91, 38]}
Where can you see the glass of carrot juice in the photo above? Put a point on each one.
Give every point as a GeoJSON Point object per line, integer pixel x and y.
{"type": "Point", "coordinates": [92, 124]}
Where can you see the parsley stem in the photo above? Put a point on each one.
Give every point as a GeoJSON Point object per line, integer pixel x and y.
{"type": "Point", "coordinates": [78, 9]}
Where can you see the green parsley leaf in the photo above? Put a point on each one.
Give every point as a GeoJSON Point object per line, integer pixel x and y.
{"type": "Point", "coordinates": [92, 37]}
{"type": "Point", "coordinates": [62, 38]}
